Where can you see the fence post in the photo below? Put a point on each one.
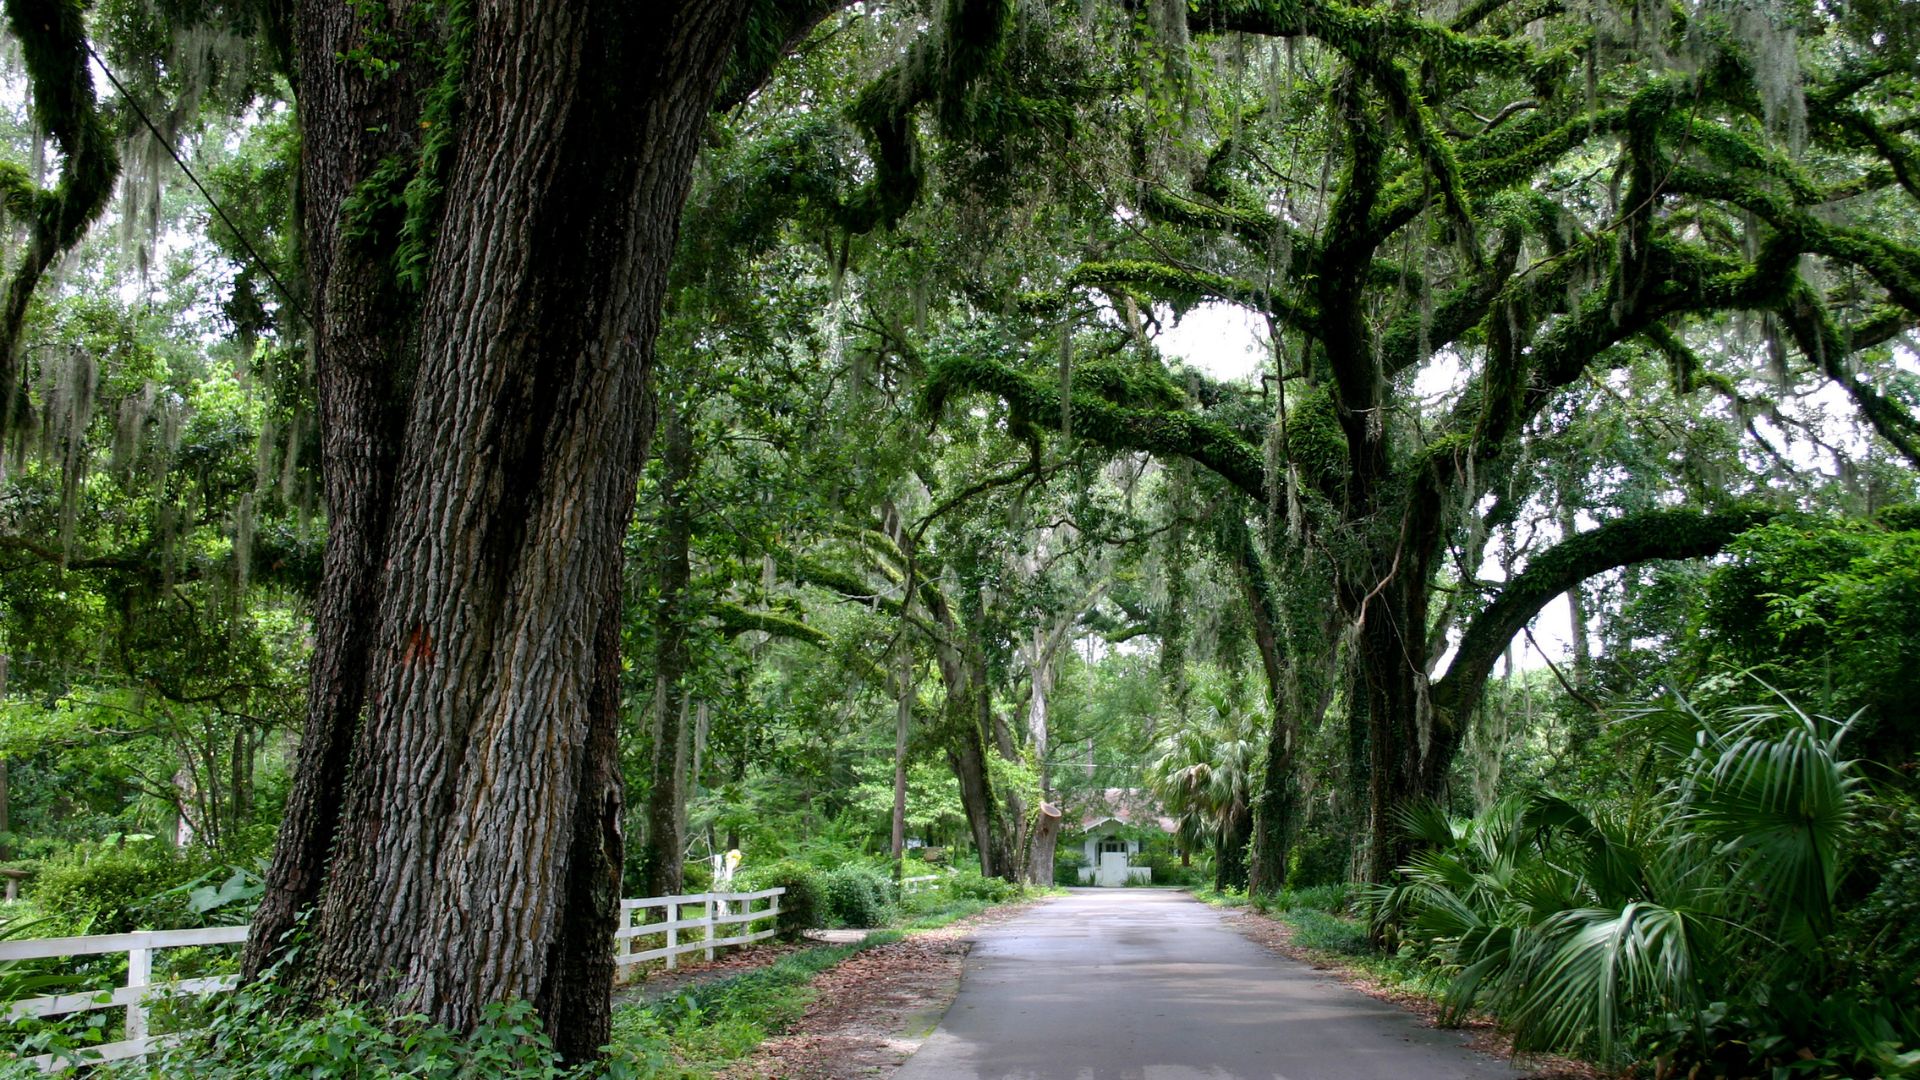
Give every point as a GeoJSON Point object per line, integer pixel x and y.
{"type": "Point", "coordinates": [139, 974]}
{"type": "Point", "coordinates": [708, 899]}
{"type": "Point", "coordinates": [672, 912]}
{"type": "Point", "coordinates": [624, 946]}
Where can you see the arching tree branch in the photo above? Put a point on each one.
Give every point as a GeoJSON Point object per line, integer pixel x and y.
{"type": "Point", "coordinates": [1636, 538]}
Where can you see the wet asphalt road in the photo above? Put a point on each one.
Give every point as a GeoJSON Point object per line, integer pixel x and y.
{"type": "Point", "coordinates": [1132, 984]}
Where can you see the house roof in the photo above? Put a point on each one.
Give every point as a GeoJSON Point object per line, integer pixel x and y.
{"type": "Point", "coordinates": [1128, 806]}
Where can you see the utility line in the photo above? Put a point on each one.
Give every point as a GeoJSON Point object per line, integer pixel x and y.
{"type": "Point", "coordinates": [252, 252]}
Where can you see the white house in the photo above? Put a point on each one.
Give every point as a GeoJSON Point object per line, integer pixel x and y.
{"type": "Point", "coordinates": [1112, 826]}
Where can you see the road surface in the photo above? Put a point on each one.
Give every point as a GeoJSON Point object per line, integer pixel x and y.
{"type": "Point", "coordinates": [1136, 984]}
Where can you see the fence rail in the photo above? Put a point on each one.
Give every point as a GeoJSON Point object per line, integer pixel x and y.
{"type": "Point", "coordinates": [719, 911]}
{"type": "Point", "coordinates": [135, 996]}
{"type": "Point", "coordinates": [715, 912]}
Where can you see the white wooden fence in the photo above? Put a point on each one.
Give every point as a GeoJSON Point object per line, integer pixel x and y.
{"type": "Point", "coordinates": [141, 991]}
{"type": "Point", "coordinates": [916, 884]}
{"type": "Point", "coordinates": [134, 997]}
{"type": "Point", "coordinates": [716, 911]}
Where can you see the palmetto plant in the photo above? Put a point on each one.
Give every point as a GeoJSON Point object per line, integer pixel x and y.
{"type": "Point", "coordinates": [1204, 773]}
{"type": "Point", "coordinates": [1583, 924]}
{"type": "Point", "coordinates": [20, 980]}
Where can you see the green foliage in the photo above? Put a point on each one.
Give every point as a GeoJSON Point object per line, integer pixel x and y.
{"type": "Point", "coordinates": [802, 906]}
{"type": "Point", "coordinates": [1322, 932]}
{"type": "Point", "coordinates": [116, 888]}
{"type": "Point", "coordinates": [1830, 613]}
{"type": "Point", "coordinates": [1165, 864]}
{"type": "Point", "coordinates": [967, 883]}
{"type": "Point", "coordinates": [1205, 773]}
{"type": "Point", "coordinates": [1067, 862]}
{"type": "Point", "coordinates": [1693, 921]}
{"type": "Point", "coordinates": [1336, 899]}
{"type": "Point", "coordinates": [1319, 859]}
{"type": "Point", "coordinates": [856, 895]}
{"type": "Point", "coordinates": [251, 1037]}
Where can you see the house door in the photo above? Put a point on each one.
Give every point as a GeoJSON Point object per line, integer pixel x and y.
{"type": "Point", "coordinates": [1113, 864]}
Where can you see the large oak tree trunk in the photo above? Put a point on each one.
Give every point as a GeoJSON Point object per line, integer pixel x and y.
{"type": "Point", "coordinates": [1409, 748]}
{"type": "Point", "coordinates": [454, 818]}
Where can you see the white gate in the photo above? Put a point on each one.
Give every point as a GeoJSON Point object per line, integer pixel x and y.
{"type": "Point", "coordinates": [1113, 869]}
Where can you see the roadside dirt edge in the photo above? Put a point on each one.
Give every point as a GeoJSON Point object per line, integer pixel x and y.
{"type": "Point", "coordinates": [1277, 937]}
{"type": "Point", "coordinates": [874, 1010]}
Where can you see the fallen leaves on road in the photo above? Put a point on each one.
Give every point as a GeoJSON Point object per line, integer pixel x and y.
{"type": "Point", "coordinates": [873, 1011]}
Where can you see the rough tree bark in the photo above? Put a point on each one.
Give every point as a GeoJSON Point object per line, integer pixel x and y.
{"type": "Point", "coordinates": [1046, 837]}
{"type": "Point", "coordinates": [454, 822]}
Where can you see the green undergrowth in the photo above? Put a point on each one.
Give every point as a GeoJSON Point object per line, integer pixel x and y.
{"type": "Point", "coordinates": [1323, 924]}
{"type": "Point", "coordinates": [706, 1028]}
{"type": "Point", "coordinates": [690, 1034]}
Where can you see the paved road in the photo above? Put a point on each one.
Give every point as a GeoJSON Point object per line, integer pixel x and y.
{"type": "Point", "coordinates": [1131, 984]}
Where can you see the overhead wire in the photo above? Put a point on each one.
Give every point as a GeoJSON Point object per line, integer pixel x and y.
{"type": "Point", "coordinates": [154, 129]}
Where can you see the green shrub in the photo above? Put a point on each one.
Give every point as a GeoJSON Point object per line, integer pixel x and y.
{"type": "Point", "coordinates": [1332, 899]}
{"type": "Point", "coordinates": [1167, 869]}
{"type": "Point", "coordinates": [115, 889]}
{"type": "Point", "coordinates": [1319, 859]}
{"type": "Point", "coordinates": [968, 884]}
{"type": "Point", "coordinates": [1066, 866]}
{"type": "Point", "coordinates": [696, 876]}
{"type": "Point", "coordinates": [801, 907]}
{"type": "Point", "coordinates": [1314, 929]}
{"type": "Point", "coordinates": [1696, 924]}
{"type": "Point", "coordinates": [858, 896]}
{"type": "Point", "coordinates": [252, 1036]}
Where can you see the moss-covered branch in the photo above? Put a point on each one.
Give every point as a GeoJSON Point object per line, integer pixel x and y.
{"type": "Point", "coordinates": [1183, 285]}
{"type": "Point", "coordinates": [736, 619]}
{"type": "Point", "coordinates": [1365, 32]}
{"type": "Point", "coordinates": [1166, 433]}
{"type": "Point", "coordinates": [1637, 538]}
{"type": "Point", "coordinates": [53, 43]}
{"type": "Point", "coordinates": [773, 29]}
{"type": "Point", "coordinates": [848, 585]}
{"type": "Point", "coordinates": [938, 69]}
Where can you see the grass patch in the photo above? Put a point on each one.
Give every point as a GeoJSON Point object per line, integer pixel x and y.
{"type": "Point", "coordinates": [703, 1029]}
{"type": "Point", "coordinates": [936, 908]}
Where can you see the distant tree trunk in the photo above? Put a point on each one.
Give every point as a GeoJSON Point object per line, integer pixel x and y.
{"type": "Point", "coordinates": [902, 724]}
{"type": "Point", "coordinates": [1275, 804]}
{"type": "Point", "coordinates": [1409, 749]}
{"type": "Point", "coordinates": [660, 861]}
{"type": "Point", "coordinates": [1041, 672]}
{"type": "Point", "coordinates": [454, 817]}
{"type": "Point", "coordinates": [1576, 608]}
{"type": "Point", "coordinates": [1046, 838]}
{"type": "Point", "coordinates": [967, 750]}
{"type": "Point", "coordinates": [1230, 855]}
{"type": "Point", "coordinates": [1013, 821]}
